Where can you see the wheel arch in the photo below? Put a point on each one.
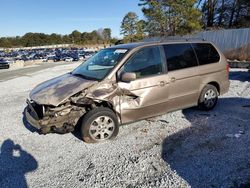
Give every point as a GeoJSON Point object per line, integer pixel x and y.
{"type": "Point", "coordinates": [215, 84]}
{"type": "Point", "coordinates": [109, 105]}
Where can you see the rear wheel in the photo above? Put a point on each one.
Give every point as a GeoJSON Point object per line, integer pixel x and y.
{"type": "Point", "coordinates": [99, 124]}
{"type": "Point", "coordinates": [208, 97]}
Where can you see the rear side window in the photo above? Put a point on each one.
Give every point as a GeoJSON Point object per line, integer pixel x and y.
{"type": "Point", "coordinates": [179, 56]}
{"type": "Point", "coordinates": [206, 53]}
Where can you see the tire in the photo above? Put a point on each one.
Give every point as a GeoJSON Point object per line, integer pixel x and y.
{"type": "Point", "coordinates": [99, 124]}
{"type": "Point", "coordinates": [208, 97]}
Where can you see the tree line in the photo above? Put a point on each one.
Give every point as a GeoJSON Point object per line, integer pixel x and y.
{"type": "Point", "coordinates": [161, 18]}
{"type": "Point", "coordinates": [180, 17]}
{"type": "Point", "coordinates": [101, 36]}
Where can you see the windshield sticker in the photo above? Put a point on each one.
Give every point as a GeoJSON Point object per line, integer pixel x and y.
{"type": "Point", "coordinates": [121, 51]}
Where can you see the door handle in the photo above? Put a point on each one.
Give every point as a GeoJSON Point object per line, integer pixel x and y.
{"type": "Point", "coordinates": [162, 83]}
{"type": "Point", "coordinates": [172, 79]}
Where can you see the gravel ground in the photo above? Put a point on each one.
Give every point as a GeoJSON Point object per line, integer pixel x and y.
{"type": "Point", "coordinates": [186, 148]}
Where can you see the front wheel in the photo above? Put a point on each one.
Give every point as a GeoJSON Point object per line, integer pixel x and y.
{"type": "Point", "coordinates": [208, 97]}
{"type": "Point", "coordinates": [99, 124]}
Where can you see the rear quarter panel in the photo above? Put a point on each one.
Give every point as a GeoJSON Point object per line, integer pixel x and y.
{"type": "Point", "coordinates": [215, 72]}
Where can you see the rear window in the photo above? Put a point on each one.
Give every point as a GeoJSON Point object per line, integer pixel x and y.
{"type": "Point", "coordinates": [206, 53]}
{"type": "Point", "coordinates": [179, 56]}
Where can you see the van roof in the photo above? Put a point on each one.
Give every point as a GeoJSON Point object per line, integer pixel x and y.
{"type": "Point", "coordinates": [162, 41]}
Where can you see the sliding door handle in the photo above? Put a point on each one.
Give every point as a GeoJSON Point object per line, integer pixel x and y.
{"type": "Point", "coordinates": [162, 83]}
{"type": "Point", "coordinates": [172, 79]}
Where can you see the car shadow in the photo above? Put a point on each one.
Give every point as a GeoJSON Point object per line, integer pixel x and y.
{"type": "Point", "coordinates": [214, 151]}
{"type": "Point", "coordinates": [77, 131]}
{"type": "Point", "coordinates": [14, 164]}
{"type": "Point", "coordinates": [239, 75]}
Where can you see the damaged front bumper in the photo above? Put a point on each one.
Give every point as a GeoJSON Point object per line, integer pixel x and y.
{"type": "Point", "coordinates": [59, 120]}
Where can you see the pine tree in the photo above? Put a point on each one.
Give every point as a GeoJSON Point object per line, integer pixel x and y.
{"type": "Point", "coordinates": [140, 30]}
{"type": "Point", "coordinates": [227, 14]}
{"type": "Point", "coordinates": [129, 26]}
{"type": "Point", "coordinates": [157, 21]}
{"type": "Point", "coordinates": [106, 33]}
{"type": "Point", "coordinates": [169, 17]}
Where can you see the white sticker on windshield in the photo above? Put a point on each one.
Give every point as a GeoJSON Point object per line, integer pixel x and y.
{"type": "Point", "coordinates": [121, 51]}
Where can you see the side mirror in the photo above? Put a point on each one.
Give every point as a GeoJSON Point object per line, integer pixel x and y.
{"type": "Point", "coordinates": [128, 76]}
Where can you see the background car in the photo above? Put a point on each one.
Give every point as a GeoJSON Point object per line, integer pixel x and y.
{"type": "Point", "coordinates": [4, 64]}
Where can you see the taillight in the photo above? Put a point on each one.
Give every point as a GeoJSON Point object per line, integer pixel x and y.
{"type": "Point", "coordinates": [228, 68]}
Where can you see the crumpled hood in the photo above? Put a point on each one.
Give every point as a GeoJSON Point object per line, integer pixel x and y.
{"type": "Point", "coordinates": [55, 91]}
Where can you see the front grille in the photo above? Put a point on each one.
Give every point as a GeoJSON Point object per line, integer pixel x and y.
{"type": "Point", "coordinates": [35, 110]}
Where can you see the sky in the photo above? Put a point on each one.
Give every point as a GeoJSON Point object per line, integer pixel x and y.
{"type": "Point", "coordinates": [18, 17]}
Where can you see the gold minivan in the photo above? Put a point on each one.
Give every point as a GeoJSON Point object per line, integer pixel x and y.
{"type": "Point", "coordinates": [126, 83]}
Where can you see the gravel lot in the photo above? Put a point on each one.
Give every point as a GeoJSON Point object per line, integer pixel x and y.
{"type": "Point", "coordinates": [181, 149]}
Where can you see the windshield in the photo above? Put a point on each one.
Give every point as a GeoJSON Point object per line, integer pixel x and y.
{"type": "Point", "coordinates": [99, 65]}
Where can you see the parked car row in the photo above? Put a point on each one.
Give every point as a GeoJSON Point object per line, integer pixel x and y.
{"type": "Point", "coordinates": [57, 54]}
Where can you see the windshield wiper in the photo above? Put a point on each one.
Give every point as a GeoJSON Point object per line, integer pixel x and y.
{"type": "Point", "coordinates": [83, 76]}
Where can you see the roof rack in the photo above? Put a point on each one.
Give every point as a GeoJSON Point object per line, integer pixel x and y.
{"type": "Point", "coordinates": [172, 38]}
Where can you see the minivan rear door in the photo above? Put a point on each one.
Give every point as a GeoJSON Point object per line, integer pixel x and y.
{"type": "Point", "coordinates": [182, 68]}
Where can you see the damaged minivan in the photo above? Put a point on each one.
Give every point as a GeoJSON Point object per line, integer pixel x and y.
{"type": "Point", "coordinates": [127, 83]}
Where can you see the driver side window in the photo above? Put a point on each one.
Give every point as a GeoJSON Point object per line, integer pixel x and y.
{"type": "Point", "coordinates": [145, 62]}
